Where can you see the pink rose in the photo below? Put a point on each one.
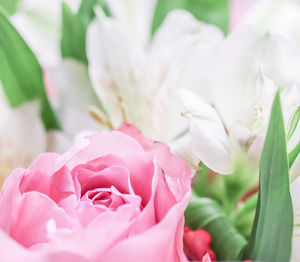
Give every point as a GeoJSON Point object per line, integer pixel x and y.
{"type": "Point", "coordinates": [115, 196]}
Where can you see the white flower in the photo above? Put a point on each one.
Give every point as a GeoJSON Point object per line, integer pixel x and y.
{"type": "Point", "coordinates": [137, 82]}
{"type": "Point", "coordinates": [73, 96]}
{"type": "Point", "coordinates": [277, 16]}
{"type": "Point", "coordinates": [244, 74]}
{"type": "Point", "coordinates": [22, 136]}
{"type": "Point", "coordinates": [135, 15]}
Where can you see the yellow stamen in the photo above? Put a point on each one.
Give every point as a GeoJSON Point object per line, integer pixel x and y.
{"type": "Point", "coordinates": [100, 117]}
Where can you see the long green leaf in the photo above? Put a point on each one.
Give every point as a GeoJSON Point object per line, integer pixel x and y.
{"type": "Point", "coordinates": [21, 74]}
{"type": "Point", "coordinates": [209, 11]}
{"type": "Point", "coordinates": [294, 154]}
{"type": "Point", "coordinates": [271, 236]}
{"type": "Point", "coordinates": [9, 5]}
{"type": "Point", "coordinates": [74, 27]}
{"type": "Point", "coordinates": [207, 214]}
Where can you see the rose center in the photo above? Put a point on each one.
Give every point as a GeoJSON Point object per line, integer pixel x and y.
{"type": "Point", "coordinates": [105, 197]}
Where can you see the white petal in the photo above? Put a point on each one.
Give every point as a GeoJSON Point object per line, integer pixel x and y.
{"type": "Point", "coordinates": [39, 24]}
{"type": "Point", "coordinates": [74, 96]}
{"type": "Point", "coordinates": [280, 17]}
{"type": "Point", "coordinates": [181, 147]}
{"type": "Point", "coordinates": [22, 137]}
{"type": "Point", "coordinates": [167, 121]}
{"type": "Point", "coordinates": [238, 9]}
{"type": "Point", "coordinates": [115, 65]}
{"type": "Point", "coordinates": [208, 137]}
{"type": "Point", "coordinates": [209, 147]}
{"type": "Point", "coordinates": [136, 15]}
{"type": "Point", "coordinates": [180, 25]}
{"type": "Point", "coordinates": [257, 113]}
{"type": "Point", "coordinates": [179, 46]}
{"type": "Point", "coordinates": [238, 62]}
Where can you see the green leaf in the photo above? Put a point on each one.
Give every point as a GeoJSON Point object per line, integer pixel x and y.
{"type": "Point", "coordinates": [243, 179]}
{"type": "Point", "coordinates": [105, 8]}
{"type": "Point", "coordinates": [271, 236]}
{"type": "Point", "coordinates": [208, 184]}
{"type": "Point", "coordinates": [248, 206]}
{"type": "Point", "coordinates": [210, 11]}
{"type": "Point", "coordinates": [20, 72]}
{"type": "Point", "coordinates": [294, 154]}
{"type": "Point", "coordinates": [244, 216]}
{"type": "Point", "coordinates": [10, 5]}
{"type": "Point", "coordinates": [74, 28]}
{"type": "Point", "coordinates": [73, 35]}
{"type": "Point", "coordinates": [207, 214]}
{"type": "Point", "coordinates": [293, 122]}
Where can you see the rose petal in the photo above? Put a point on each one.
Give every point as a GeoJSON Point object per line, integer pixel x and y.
{"type": "Point", "coordinates": [117, 176]}
{"type": "Point", "coordinates": [173, 167]}
{"type": "Point", "coordinates": [102, 233]}
{"type": "Point", "coordinates": [98, 145]}
{"type": "Point", "coordinates": [30, 227]}
{"type": "Point", "coordinates": [137, 164]}
{"type": "Point", "coordinates": [151, 244]}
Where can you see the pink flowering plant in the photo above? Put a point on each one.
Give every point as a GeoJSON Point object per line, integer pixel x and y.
{"type": "Point", "coordinates": [149, 130]}
{"type": "Point", "coordinates": [113, 193]}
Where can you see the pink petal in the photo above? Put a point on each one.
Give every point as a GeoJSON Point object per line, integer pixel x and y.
{"type": "Point", "coordinates": [98, 145]}
{"type": "Point", "coordinates": [151, 245]}
{"type": "Point", "coordinates": [102, 233]}
{"type": "Point", "coordinates": [39, 175]}
{"type": "Point", "coordinates": [33, 215]}
{"type": "Point", "coordinates": [140, 166]}
{"type": "Point", "coordinates": [115, 175]}
{"type": "Point", "coordinates": [175, 169]}
{"type": "Point", "coordinates": [12, 251]}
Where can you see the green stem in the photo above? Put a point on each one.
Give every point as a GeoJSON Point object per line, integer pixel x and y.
{"type": "Point", "coordinates": [236, 185]}
{"type": "Point", "coordinates": [247, 207]}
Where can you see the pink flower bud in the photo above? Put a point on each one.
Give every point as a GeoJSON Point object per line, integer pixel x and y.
{"type": "Point", "coordinates": [197, 245]}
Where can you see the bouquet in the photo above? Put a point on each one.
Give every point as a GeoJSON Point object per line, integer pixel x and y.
{"type": "Point", "coordinates": [149, 130]}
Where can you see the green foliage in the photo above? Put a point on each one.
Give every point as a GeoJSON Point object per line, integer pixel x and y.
{"type": "Point", "coordinates": [208, 184]}
{"type": "Point", "coordinates": [209, 11]}
{"type": "Point", "coordinates": [73, 35]}
{"type": "Point", "coordinates": [74, 28]}
{"type": "Point", "coordinates": [105, 8]}
{"type": "Point", "coordinates": [10, 5]}
{"type": "Point", "coordinates": [21, 74]}
{"type": "Point", "coordinates": [207, 214]}
{"type": "Point", "coordinates": [294, 154]}
{"type": "Point", "coordinates": [271, 236]}
{"type": "Point", "coordinates": [244, 215]}
{"type": "Point", "coordinates": [293, 122]}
